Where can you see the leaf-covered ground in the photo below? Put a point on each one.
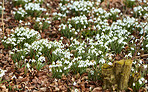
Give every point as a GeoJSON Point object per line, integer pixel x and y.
{"type": "Point", "coordinates": [61, 45]}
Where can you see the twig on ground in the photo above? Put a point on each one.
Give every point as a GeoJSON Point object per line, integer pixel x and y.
{"type": "Point", "coordinates": [3, 18]}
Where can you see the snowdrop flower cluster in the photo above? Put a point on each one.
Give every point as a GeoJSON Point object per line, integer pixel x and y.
{"type": "Point", "coordinates": [78, 7]}
{"type": "Point", "coordinates": [62, 53]}
{"type": "Point", "coordinates": [41, 23]}
{"type": "Point", "coordinates": [74, 24]}
{"type": "Point", "coordinates": [29, 8]}
{"type": "Point", "coordinates": [142, 80]}
{"type": "Point", "coordinates": [58, 16]}
{"type": "Point", "coordinates": [80, 19]}
{"type": "Point", "coordinates": [41, 59]}
{"type": "Point", "coordinates": [144, 1]}
{"type": "Point", "coordinates": [38, 1]}
{"type": "Point", "coordinates": [20, 36]}
{"type": "Point", "coordinates": [42, 48]}
{"type": "Point", "coordinates": [114, 11]}
{"type": "Point", "coordinates": [43, 19]}
{"type": "Point", "coordinates": [34, 7]}
{"type": "Point", "coordinates": [145, 16]}
{"type": "Point", "coordinates": [139, 10]}
{"type": "Point", "coordinates": [38, 45]}
{"type": "Point", "coordinates": [26, 32]}
{"type": "Point", "coordinates": [100, 11]}
{"type": "Point", "coordinates": [23, 0]}
{"type": "Point", "coordinates": [86, 63]}
{"type": "Point", "coordinates": [20, 13]}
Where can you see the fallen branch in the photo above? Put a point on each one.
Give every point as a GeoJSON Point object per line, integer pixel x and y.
{"type": "Point", "coordinates": [3, 18]}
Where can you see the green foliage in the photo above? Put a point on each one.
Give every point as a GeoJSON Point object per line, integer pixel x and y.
{"type": "Point", "coordinates": [19, 2]}
{"type": "Point", "coordinates": [66, 32]}
{"type": "Point", "coordinates": [129, 3]}
{"type": "Point", "coordinates": [116, 47]}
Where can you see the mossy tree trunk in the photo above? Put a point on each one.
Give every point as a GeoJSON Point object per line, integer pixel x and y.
{"type": "Point", "coordinates": [116, 76]}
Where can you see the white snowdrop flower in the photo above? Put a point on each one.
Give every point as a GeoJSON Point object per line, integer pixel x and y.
{"type": "Point", "coordinates": [2, 72]}
{"type": "Point", "coordinates": [50, 70]}
{"type": "Point", "coordinates": [65, 68]}
{"type": "Point", "coordinates": [40, 23]}
{"type": "Point", "coordinates": [14, 12]}
{"type": "Point", "coordinates": [20, 21]}
{"type": "Point", "coordinates": [102, 61]}
{"type": "Point", "coordinates": [61, 38]}
{"type": "Point", "coordinates": [22, 57]}
{"type": "Point", "coordinates": [140, 82]}
{"type": "Point", "coordinates": [66, 62]}
{"type": "Point", "coordinates": [28, 66]}
{"type": "Point", "coordinates": [28, 23]}
{"type": "Point", "coordinates": [25, 60]}
{"type": "Point", "coordinates": [30, 60]}
{"type": "Point", "coordinates": [145, 81]}
{"type": "Point", "coordinates": [16, 63]}
{"type": "Point", "coordinates": [33, 60]}
{"type": "Point", "coordinates": [76, 90]}
{"type": "Point", "coordinates": [5, 37]}
{"type": "Point", "coordinates": [138, 53]}
{"type": "Point", "coordinates": [60, 70]}
{"type": "Point", "coordinates": [132, 69]}
{"type": "Point", "coordinates": [140, 61]}
{"type": "Point", "coordinates": [142, 79]}
{"type": "Point", "coordinates": [88, 57]}
{"type": "Point", "coordinates": [130, 55]}
{"type": "Point", "coordinates": [14, 77]}
{"type": "Point", "coordinates": [92, 72]}
{"type": "Point", "coordinates": [55, 80]}
{"type": "Point", "coordinates": [74, 83]}
{"type": "Point", "coordinates": [110, 63]}
{"type": "Point", "coordinates": [145, 66]}
{"type": "Point", "coordinates": [11, 53]}
{"type": "Point", "coordinates": [133, 84]}
{"type": "Point", "coordinates": [48, 22]}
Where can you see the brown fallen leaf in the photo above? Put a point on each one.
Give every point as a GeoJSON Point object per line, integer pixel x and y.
{"type": "Point", "coordinates": [43, 89]}
{"type": "Point", "coordinates": [3, 88]}
{"type": "Point", "coordinates": [1, 55]}
{"type": "Point", "coordinates": [97, 89]}
{"type": "Point", "coordinates": [43, 35]}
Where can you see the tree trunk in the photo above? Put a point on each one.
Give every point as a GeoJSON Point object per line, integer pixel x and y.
{"type": "Point", "coordinates": [116, 76]}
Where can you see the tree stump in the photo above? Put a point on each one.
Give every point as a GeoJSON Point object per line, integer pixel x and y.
{"type": "Point", "coordinates": [116, 76]}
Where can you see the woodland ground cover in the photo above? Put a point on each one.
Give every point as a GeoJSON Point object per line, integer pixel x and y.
{"type": "Point", "coordinates": [61, 45]}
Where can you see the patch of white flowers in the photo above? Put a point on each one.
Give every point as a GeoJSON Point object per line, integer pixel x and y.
{"type": "Point", "coordinates": [139, 10]}
{"type": "Point", "coordinates": [24, 0]}
{"type": "Point", "coordinates": [82, 7]}
{"type": "Point", "coordinates": [20, 36]}
{"type": "Point", "coordinates": [108, 39]}
{"type": "Point", "coordinates": [21, 12]}
{"type": "Point", "coordinates": [114, 11]}
{"type": "Point", "coordinates": [34, 7]}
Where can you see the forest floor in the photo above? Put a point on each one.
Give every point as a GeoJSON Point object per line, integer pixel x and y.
{"type": "Point", "coordinates": [16, 78]}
